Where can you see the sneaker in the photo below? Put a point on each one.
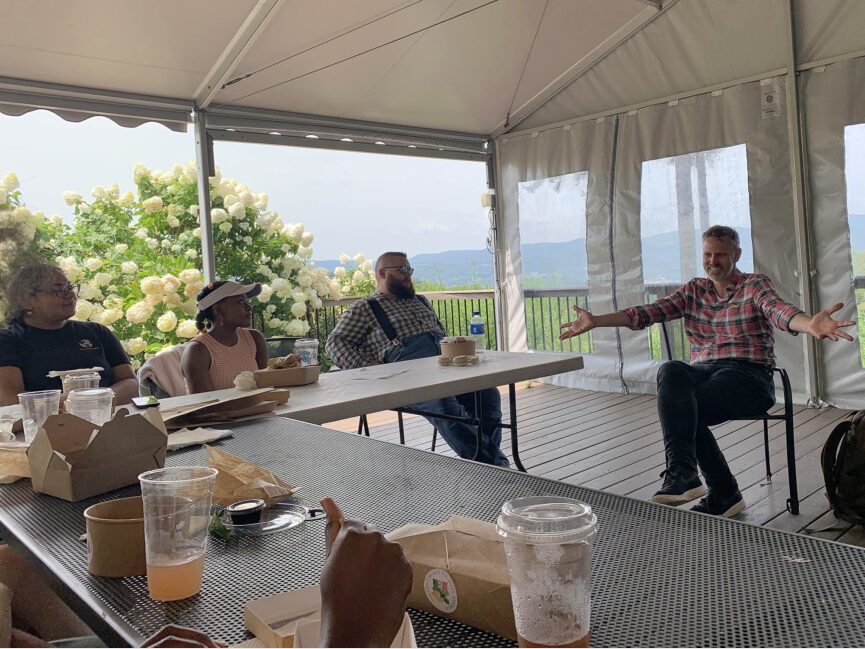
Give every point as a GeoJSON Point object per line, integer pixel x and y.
{"type": "Point", "coordinates": [718, 505]}
{"type": "Point", "coordinates": [678, 489]}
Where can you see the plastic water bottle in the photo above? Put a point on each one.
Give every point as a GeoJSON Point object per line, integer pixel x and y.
{"type": "Point", "coordinates": [478, 331]}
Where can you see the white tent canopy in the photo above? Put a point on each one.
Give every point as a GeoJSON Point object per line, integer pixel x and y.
{"type": "Point", "coordinates": [537, 88]}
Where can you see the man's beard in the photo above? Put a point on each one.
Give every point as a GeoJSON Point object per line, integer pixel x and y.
{"type": "Point", "coordinates": [400, 290]}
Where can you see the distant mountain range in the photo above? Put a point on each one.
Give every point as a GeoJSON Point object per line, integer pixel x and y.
{"type": "Point", "coordinates": [563, 265]}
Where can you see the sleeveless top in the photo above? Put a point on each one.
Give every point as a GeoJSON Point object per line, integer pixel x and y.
{"type": "Point", "coordinates": [227, 362]}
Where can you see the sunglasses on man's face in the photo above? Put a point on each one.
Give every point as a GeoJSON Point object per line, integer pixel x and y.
{"type": "Point", "coordinates": [60, 290]}
{"type": "Point", "coordinates": [405, 270]}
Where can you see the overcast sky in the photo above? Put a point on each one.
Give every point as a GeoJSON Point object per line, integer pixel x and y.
{"type": "Point", "coordinates": [351, 202]}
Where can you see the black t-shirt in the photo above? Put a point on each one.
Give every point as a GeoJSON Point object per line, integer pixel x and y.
{"type": "Point", "coordinates": [75, 345]}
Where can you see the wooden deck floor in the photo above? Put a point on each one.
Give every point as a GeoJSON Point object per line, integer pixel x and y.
{"type": "Point", "coordinates": [612, 442]}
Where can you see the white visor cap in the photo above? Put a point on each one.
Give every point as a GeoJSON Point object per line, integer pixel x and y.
{"type": "Point", "coordinates": [229, 289]}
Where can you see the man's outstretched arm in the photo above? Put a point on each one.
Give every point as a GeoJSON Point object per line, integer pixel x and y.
{"type": "Point", "coordinates": [821, 325]}
{"type": "Point", "coordinates": [586, 321]}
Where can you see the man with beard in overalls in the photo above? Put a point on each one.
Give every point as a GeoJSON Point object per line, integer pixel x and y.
{"type": "Point", "coordinates": [395, 324]}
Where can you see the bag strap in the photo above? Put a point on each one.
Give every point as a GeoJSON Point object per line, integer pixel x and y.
{"type": "Point", "coordinates": [829, 456]}
{"type": "Point", "coordinates": [383, 320]}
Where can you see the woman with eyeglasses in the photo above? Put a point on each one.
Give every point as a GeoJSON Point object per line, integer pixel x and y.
{"type": "Point", "coordinates": [40, 337]}
{"type": "Point", "coordinates": [227, 345]}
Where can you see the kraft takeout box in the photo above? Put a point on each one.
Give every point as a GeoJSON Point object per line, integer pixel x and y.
{"type": "Point", "coordinates": [287, 377]}
{"type": "Point", "coordinates": [457, 346]}
{"type": "Point", "coordinates": [293, 619]}
{"type": "Point", "coordinates": [460, 572]}
{"type": "Point", "coordinates": [73, 459]}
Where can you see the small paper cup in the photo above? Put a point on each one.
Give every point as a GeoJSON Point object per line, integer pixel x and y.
{"type": "Point", "coordinates": [115, 538]}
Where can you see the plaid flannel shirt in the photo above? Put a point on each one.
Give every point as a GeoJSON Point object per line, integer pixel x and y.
{"type": "Point", "coordinates": [738, 327]}
{"type": "Point", "coordinates": [357, 340]}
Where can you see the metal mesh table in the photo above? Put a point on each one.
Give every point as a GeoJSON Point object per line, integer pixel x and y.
{"type": "Point", "coordinates": [661, 576]}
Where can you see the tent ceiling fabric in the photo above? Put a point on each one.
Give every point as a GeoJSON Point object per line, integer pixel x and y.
{"type": "Point", "coordinates": [698, 44]}
{"type": "Point", "coordinates": [458, 76]}
{"type": "Point", "coordinates": [155, 48]}
{"type": "Point", "coordinates": [463, 75]}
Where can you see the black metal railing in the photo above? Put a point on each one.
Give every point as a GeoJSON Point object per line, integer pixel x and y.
{"type": "Point", "coordinates": [545, 311]}
{"type": "Point", "coordinates": [679, 346]}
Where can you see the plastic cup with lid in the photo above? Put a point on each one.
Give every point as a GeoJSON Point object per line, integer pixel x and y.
{"type": "Point", "coordinates": [307, 350]}
{"type": "Point", "coordinates": [96, 405]}
{"type": "Point", "coordinates": [548, 544]}
{"type": "Point", "coordinates": [36, 408]}
{"type": "Point", "coordinates": [80, 381]}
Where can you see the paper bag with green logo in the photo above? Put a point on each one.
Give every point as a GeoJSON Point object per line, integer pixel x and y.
{"type": "Point", "coordinates": [460, 572]}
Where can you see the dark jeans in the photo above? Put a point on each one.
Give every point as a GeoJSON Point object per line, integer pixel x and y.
{"type": "Point", "coordinates": [693, 397]}
{"type": "Point", "coordinates": [460, 436]}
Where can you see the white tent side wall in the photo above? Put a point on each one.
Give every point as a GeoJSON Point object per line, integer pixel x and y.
{"type": "Point", "coordinates": [834, 98]}
{"type": "Point", "coordinates": [694, 80]}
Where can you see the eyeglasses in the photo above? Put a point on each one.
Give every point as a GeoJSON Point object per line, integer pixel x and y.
{"type": "Point", "coordinates": [405, 270]}
{"type": "Point", "coordinates": [60, 291]}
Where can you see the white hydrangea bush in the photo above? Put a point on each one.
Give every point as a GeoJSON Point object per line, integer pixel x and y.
{"type": "Point", "coordinates": [137, 258]}
{"type": "Point", "coordinates": [354, 276]}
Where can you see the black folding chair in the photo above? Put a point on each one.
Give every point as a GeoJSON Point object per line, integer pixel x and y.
{"type": "Point", "coordinates": [787, 418]}
{"type": "Point", "coordinates": [363, 429]}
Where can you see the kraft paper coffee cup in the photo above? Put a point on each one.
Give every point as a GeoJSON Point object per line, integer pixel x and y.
{"type": "Point", "coordinates": [115, 538]}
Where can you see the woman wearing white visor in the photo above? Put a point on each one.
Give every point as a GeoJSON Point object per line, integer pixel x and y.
{"type": "Point", "coordinates": [227, 346]}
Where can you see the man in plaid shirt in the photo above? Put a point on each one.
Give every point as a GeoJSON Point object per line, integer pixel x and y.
{"type": "Point", "coordinates": [729, 317]}
{"type": "Point", "coordinates": [359, 340]}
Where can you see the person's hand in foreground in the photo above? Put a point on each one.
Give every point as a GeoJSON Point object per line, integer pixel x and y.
{"type": "Point", "coordinates": [585, 322]}
{"type": "Point", "coordinates": [364, 584]}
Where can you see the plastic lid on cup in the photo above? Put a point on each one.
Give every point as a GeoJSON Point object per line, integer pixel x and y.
{"type": "Point", "coordinates": [306, 342]}
{"type": "Point", "coordinates": [178, 474]}
{"type": "Point", "coordinates": [39, 394]}
{"type": "Point", "coordinates": [91, 394]}
{"type": "Point", "coordinates": [547, 519]}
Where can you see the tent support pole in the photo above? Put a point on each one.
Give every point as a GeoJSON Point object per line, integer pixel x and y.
{"type": "Point", "coordinates": [501, 321]}
{"type": "Point", "coordinates": [206, 169]}
{"type": "Point", "coordinates": [801, 212]}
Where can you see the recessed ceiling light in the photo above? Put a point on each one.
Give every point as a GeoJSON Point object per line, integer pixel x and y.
{"type": "Point", "coordinates": [412, 146]}
{"type": "Point", "coordinates": [345, 139]}
{"type": "Point", "coordinates": [380, 143]}
{"type": "Point", "coordinates": [231, 129]}
{"type": "Point", "coordinates": [274, 133]}
{"type": "Point", "coordinates": [311, 136]}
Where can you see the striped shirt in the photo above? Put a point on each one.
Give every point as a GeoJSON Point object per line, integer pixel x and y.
{"type": "Point", "coordinates": [739, 326]}
{"type": "Point", "coordinates": [357, 340]}
{"type": "Point", "coordinates": [226, 362]}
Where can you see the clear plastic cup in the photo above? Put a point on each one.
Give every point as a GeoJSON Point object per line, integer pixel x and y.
{"type": "Point", "coordinates": [176, 518]}
{"type": "Point", "coordinates": [548, 546]}
{"type": "Point", "coordinates": [96, 405]}
{"type": "Point", "coordinates": [307, 350]}
{"type": "Point", "coordinates": [7, 422]}
{"type": "Point", "coordinates": [36, 408]}
{"type": "Point", "coordinates": [80, 381]}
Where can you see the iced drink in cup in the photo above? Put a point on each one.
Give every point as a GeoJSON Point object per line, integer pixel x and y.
{"type": "Point", "coordinates": [176, 517]}
{"type": "Point", "coordinates": [36, 408]}
{"type": "Point", "coordinates": [548, 546]}
{"type": "Point", "coordinates": [93, 404]}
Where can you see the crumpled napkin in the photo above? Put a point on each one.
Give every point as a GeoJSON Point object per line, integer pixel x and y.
{"type": "Point", "coordinates": [240, 480]}
{"type": "Point", "coordinates": [186, 437]}
{"type": "Point", "coordinates": [245, 381]}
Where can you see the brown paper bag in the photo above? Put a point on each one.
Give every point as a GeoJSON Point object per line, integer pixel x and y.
{"type": "Point", "coordinates": [13, 462]}
{"type": "Point", "coordinates": [240, 480]}
{"type": "Point", "coordinates": [460, 572]}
